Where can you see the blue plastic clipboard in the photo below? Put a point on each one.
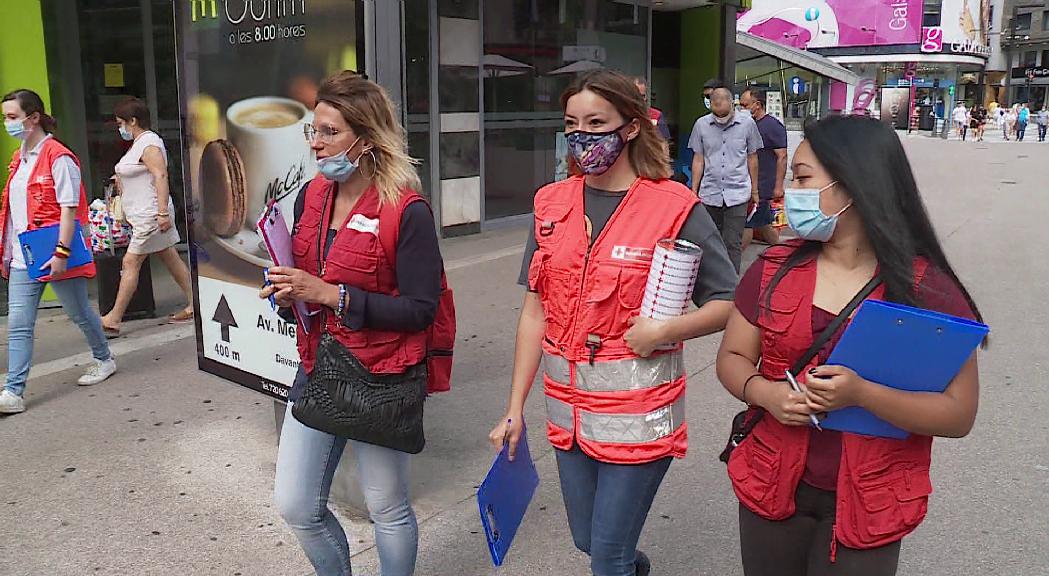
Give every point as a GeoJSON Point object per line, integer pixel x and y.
{"type": "Point", "coordinates": [504, 496]}
{"type": "Point", "coordinates": [903, 347]}
{"type": "Point", "coordinates": [39, 245]}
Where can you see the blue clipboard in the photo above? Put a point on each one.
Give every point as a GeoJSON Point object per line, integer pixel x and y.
{"type": "Point", "coordinates": [504, 496]}
{"type": "Point", "coordinates": [39, 245]}
{"type": "Point", "coordinates": [903, 347]}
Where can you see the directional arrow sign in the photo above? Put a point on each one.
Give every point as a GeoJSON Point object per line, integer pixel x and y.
{"type": "Point", "coordinates": [224, 317]}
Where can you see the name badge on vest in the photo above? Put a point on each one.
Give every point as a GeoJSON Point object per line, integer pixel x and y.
{"type": "Point", "coordinates": [362, 223]}
{"type": "Point", "coordinates": [632, 254]}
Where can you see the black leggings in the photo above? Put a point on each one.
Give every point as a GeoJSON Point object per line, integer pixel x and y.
{"type": "Point", "coordinates": [800, 545]}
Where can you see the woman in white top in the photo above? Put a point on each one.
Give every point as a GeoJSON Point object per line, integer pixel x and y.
{"type": "Point", "coordinates": [142, 178]}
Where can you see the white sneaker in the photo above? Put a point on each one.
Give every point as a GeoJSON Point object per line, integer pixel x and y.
{"type": "Point", "coordinates": [11, 404]}
{"type": "Point", "coordinates": [98, 373]}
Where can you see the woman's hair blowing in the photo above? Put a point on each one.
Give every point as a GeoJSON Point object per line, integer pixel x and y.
{"type": "Point", "coordinates": [866, 158]}
{"type": "Point", "coordinates": [31, 103]}
{"type": "Point", "coordinates": [648, 152]}
{"type": "Point", "coordinates": [368, 110]}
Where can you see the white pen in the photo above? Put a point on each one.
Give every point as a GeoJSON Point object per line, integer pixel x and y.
{"type": "Point", "coordinates": [797, 388]}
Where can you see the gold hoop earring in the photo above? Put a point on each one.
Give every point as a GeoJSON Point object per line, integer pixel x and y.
{"type": "Point", "coordinates": [375, 165]}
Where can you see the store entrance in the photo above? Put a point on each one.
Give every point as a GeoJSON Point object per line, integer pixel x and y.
{"type": "Point", "coordinates": [110, 50]}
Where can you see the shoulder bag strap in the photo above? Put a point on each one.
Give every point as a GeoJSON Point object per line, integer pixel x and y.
{"type": "Point", "coordinates": [835, 324]}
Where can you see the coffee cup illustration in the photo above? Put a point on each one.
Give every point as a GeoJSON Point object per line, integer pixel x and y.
{"type": "Point", "coordinates": [267, 132]}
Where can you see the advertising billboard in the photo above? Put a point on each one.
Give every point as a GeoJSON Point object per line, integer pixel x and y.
{"type": "Point", "coordinates": [834, 23]}
{"type": "Point", "coordinates": [962, 29]}
{"type": "Point", "coordinates": [248, 75]}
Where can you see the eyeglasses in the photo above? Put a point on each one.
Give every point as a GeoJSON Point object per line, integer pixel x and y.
{"type": "Point", "coordinates": [324, 134]}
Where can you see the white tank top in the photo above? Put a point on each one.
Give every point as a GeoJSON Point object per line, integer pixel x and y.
{"type": "Point", "coordinates": [139, 194]}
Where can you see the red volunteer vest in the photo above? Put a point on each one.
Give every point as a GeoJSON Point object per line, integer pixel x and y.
{"type": "Point", "coordinates": [356, 258]}
{"type": "Point", "coordinates": [883, 484]}
{"type": "Point", "coordinates": [42, 201]}
{"type": "Point", "coordinates": [620, 408]}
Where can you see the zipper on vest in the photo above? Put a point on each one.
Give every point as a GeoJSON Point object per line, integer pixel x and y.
{"type": "Point", "coordinates": [833, 543]}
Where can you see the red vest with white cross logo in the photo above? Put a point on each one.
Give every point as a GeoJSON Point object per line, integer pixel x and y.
{"type": "Point", "coordinates": [42, 205]}
{"type": "Point", "coordinates": [620, 408]}
{"type": "Point", "coordinates": [883, 483]}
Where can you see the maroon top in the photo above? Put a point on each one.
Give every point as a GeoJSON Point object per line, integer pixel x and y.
{"type": "Point", "coordinates": [936, 292]}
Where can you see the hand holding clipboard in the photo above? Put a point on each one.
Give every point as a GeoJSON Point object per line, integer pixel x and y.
{"type": "Point", "coordinates": [273, 230]}
{"type": "Point", "coordinates": [901, 347]}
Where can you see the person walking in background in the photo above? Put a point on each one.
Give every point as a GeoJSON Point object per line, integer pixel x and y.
{"type": "Point", "coordinates": [1008, 123]}
{"type": "Point", "coordinates": [1022, 119]}
{"type": "Point", "coordinates": [654, 114]}
{"type": "Point", "coordinates": [43, 189]}
{"type": "Point", "coordinates": [375, 309]}
{"type": "Point", "coordinates": [708, 91]}
{"type": "Point", "coordinates": [960, 117]}
{"type": "Point", "coordinates": [772, 167]}
{"type": "Point", "coordinates": [1042, 120]}
{"type": "Point", "coordinates": [142, 179]}
{"type": "Point", "coordinates": [820, 502]}
{"type": "Point", "coordinates": [725, 168]}
{"type": "Point", "coordinates": [977, 120]}
{"type": "Point", "coordinates": [614, 397]}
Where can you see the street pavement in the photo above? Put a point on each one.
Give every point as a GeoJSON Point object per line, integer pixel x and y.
{"type": "Point", "coordinates": [166, 470]}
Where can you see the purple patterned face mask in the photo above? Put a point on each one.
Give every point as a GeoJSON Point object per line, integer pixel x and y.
{"type": "Point", "coordinates": [596, 152]}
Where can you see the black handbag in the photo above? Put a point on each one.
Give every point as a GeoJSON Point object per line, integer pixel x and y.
{"type": "Point", "coordinates": [344, 399]}
{"type": "Point", "coordinates": [744, 422]}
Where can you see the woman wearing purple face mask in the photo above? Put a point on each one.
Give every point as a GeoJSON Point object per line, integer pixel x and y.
{"type": "Point", "coordinates": [613, 381]}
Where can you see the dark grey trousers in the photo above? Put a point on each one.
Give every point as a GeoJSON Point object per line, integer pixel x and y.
{"type": "Point", "coordinates": [730, 221]}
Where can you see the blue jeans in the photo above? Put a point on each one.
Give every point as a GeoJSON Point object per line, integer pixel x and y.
{"type": "Point", "coordinates": [23, 298]}
{"type": "Point", "coordinates": [1021, 127]}
{"type": "Point", "coordinates": [306, 462]}
{"type": "Point", "coordinates": [607, 506]}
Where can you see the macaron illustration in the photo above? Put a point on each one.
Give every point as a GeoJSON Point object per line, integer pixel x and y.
{"type": "Point", "coordinates": [223, 190]}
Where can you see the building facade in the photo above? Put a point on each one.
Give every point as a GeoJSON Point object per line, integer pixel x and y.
{"type": "Point", "coordinates": [1025, 50]}
{"type": "Point", "coordinates": [914, 58]}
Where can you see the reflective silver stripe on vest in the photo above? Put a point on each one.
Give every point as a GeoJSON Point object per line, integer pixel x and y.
{"type": "Point", "coordinates": [559, 413]}
{"type": "Point", "coordinates": [557, 369]}
{"type": "Point", "coordinates": [631, 428]}
{"type": "Point", "coordinates": [630, 374]}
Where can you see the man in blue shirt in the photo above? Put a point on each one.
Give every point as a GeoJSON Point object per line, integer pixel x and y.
{"type": "Point", "coordinates": [1021, 122]}
{"type": "Point", "coordinates": [772, 167]}
{"type": "Point", "coordinates": [725, 168]}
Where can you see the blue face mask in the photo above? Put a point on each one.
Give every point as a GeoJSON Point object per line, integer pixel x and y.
{"type": "Point", "coordinates": [804, 214]}
{"type": "Point", "coordinates": [126, 134]}
{"type": "Point", "coordinates": [339, 168]}
{"type": "Point", "coordinates": [16, 128]}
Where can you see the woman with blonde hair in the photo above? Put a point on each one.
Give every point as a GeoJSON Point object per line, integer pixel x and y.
{"type": "Point", "coordinates": [368, 314]}
{"type": "Point", "coordinates": [614, 382]}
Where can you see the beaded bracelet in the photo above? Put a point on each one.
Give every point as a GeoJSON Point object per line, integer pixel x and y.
{"type": "Point", "coordinates": [342, 301]}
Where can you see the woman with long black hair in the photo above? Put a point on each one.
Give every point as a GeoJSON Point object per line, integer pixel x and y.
{"type": "Point", "coordinates": [825, 502]}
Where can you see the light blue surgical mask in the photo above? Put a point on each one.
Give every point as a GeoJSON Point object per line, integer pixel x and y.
{"type": "Point", "coordinates": [16, 128]}
{"type": "Point", "coordinates": [126, 134]}
{"type": "Point", "coordinates": [339, 168]}
{"type": "Point", "coordinates": [804, 214]}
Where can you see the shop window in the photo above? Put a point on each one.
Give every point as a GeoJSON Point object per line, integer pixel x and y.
{"type": "Point", "coordinates": [534, 50]}
{"type": "Point", "coordinates": [1030, 58]}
